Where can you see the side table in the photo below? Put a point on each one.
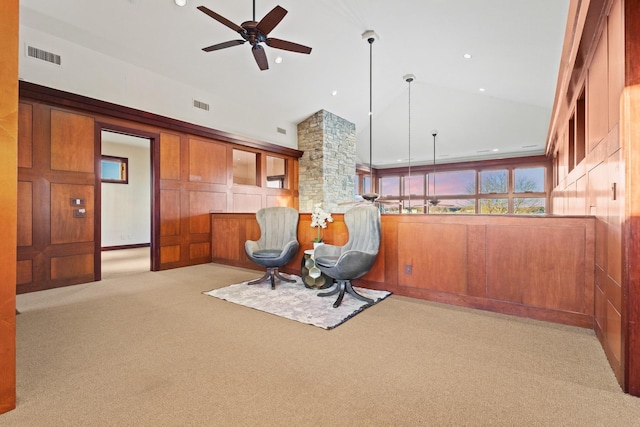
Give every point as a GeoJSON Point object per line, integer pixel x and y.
{"type": "Point", "coordinates": [311, 275]}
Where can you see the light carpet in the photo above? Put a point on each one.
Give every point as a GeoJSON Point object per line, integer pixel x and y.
{"type": "Point", "coordinates": [296, 302]}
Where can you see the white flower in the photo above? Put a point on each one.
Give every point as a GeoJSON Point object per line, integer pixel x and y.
{"type": "Point", "coordinates": [319, 218]}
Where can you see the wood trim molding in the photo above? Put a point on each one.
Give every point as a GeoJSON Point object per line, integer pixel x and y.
{"type": "Point", "coordinates": [9, 28]}
{"type": "Point", "coordinates": [585, 23]}
{"type": "Point", "coordinates": [61, 98]}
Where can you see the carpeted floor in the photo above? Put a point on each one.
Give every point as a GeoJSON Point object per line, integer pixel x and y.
{"type": "Point", "coordinates": [125, 262]}
{"type": "Point", "coordinates": [152, 350]}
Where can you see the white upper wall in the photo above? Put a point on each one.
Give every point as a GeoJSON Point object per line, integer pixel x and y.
{"type": "Point", "coordinates": [92, 74]}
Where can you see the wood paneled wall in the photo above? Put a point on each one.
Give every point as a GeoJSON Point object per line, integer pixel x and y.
{"type": "Point", "coordinates": [598, 61]}
{"type": "Point", "coordinates": [58, 153]}
{"type": "Point", "coordinates": [536, 267]}
{"type": "Point", "coordinates": [630, 139]}
{"type": "Point", "coordinates": [8, 189]}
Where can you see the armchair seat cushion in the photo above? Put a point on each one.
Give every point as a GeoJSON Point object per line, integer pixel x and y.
{"type": "Point", "coordinates": [267, 253]}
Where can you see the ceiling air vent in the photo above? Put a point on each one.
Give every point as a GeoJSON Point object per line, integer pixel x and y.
{"type": "Point", "coordinates": [43, 55]}
{"type": "Point", "coordinates": [201, 105]}
{"type": "Point", "coordinates": [282, 131]}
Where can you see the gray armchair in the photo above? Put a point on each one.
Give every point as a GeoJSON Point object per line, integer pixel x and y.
{"type": "Point", "coordinates": [355, 259]}
{"type": "Point", "coordinates": [278, 242]}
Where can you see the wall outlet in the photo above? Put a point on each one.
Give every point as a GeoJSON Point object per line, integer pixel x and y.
{"type": "Point", "coordinates": [408, 269]}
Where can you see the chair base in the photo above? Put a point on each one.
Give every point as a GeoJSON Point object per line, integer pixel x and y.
{"type": "Point", "coordinates": [342, 287]}
{"type": "Point", "coordinates": [271, 274]}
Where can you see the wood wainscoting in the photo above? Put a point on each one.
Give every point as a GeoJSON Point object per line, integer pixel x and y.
{"type": "Point", "coordinates": [535, 267]}
{"type": "Point", "coordinates": [58, 158]}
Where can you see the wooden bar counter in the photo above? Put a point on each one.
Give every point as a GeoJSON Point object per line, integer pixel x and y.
{"type": "Point", "coordinates": [540, 267]}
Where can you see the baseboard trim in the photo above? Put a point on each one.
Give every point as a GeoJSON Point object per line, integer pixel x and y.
{"type": "Point", "coordinates": [115, 248]}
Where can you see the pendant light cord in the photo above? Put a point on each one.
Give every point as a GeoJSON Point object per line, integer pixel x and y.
{"type": "Point", "coordinates": [371, 40]}
{"type": "Point", "coordinates": [409, 175]}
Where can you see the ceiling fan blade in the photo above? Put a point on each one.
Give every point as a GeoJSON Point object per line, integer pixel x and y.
{"type": "Point", "coordinates": [221, 19]}
{"type": "Point", "coordinates": [260, 56]}
{"type": "Point", "coordinates": [271, 19]}
{"type": "Point", "coordinates": [285, 45]}
{"type": "Point", "coordinates": [224, 45]}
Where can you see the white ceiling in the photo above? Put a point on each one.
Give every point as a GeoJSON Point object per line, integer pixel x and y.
{"type": "Point", "coordinates": [516, 47]}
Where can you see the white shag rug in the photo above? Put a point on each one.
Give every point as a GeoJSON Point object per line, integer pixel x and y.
{"type": "Point", "coordinates": [296, 302]}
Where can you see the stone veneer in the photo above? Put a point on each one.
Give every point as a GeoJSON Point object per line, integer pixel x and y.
{"type": "Point", "coordinates": [327, 169]}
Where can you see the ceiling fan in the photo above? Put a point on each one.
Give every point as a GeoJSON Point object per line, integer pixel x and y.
{"type": "Point", "coordinates": [256, 33]}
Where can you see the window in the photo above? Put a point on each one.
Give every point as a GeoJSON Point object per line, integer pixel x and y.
{"type": "Point", "coordinates": [366, 184]}
{"type": "Point", "coordinates": [114, 169]}
{"type": "Point", "coordinates": [275, 172]}
{"type": "Point", "coordinates": [494, 206]}
{"type": "Point", "coordinates": [390, 186]}
{"type": "Point", "coordinates": [415, 184]}
{"type": "Point", "coordinates": [498, 188]}
{"type": "Point", "coordinates": [529, 206]}
{"type": "Point", "coordinates": [453, 206]}
{"type": "Point", "coordinates": [493, 181]}
{"type": "Point", "coordinates": [452, 183]}
{"type": "Point", "coordinates": [244, 167]}
{"type": "Point", "coordinates": [530, 180]}
{"type": "Point", "coordinates": [413, 206]}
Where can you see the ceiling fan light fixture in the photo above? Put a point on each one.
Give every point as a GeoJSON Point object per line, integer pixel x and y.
{"type": "Point", "coordinates": [180, 3]}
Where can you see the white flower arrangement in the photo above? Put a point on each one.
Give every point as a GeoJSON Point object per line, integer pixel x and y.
{"type": "Point", "coordinates": [319, 219]}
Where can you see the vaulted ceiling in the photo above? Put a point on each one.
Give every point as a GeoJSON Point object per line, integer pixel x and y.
{"type": "Point", "coordinates": [495, 104]}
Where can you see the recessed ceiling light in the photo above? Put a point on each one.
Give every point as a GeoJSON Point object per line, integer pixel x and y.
{"type": "Point", "coordinates": [482, 89]}
{"type": "Point", "coordinates": [467, 56]}
{"type": "Point", "coordinates": [180, 3]}
{"type": "Point", "coordinates": [278, 59]}
{"type": "Point", "coordinates": [334, 93]}
{"type": "Point", "coordinates": [495, 149]}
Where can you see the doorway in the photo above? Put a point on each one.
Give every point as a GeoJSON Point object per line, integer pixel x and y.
{"type": "Point", "coordinates": [125, 223]}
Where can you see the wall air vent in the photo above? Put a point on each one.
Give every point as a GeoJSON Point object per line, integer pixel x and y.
{"type": "Point", "coordinates": [43, 55]}
{"type": "Point", "coordinates": [530, 146]}
{"type": "Point", "coordinates": [201, 105]}
{"type": "Point", "coordinates": [282, 131]}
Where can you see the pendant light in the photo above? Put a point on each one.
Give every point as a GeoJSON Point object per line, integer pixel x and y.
{"type": "Point", "coordinates": [409, 78]}
{"type": "Point", "coordinates": [370, 36]}
{"type": "Point", "coordinates": [434, 202]}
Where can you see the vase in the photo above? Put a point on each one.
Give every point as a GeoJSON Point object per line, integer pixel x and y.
{"type": "Point", "coordinates": [316, 244]}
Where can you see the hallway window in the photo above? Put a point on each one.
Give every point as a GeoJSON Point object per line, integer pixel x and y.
{"type": "Point", "coordinates": [114, 169]}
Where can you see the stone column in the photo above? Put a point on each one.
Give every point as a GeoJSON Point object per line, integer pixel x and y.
{"type": "Point", "coordinates": [327, 169]}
